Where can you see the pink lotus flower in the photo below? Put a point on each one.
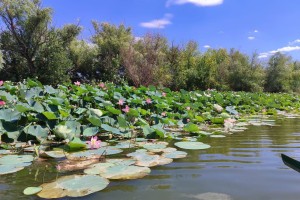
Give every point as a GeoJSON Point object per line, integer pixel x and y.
{"type": "Point", "coordinates": [102, 85]}
{"type": "Point", "coordinates": [121, 102]}
{"type": "Point", "coordinates": [188, 120]}
{"type": "Point", "coordinates": [1, 83]}
{"type": "Point", "coordinates": [58, 167]}
{"type": "Point", "coordinates": [2, 103]}
{"type": "Point", "coordinates": [163, 114]}
{"type": "Point", "coordinates": [164, 94]}
{"type": "Point", "coordinates": [94, 143]}
{"type": "Point", "coordinates": [148, 101]}
{"type": "Point", "coordinates": [126, 109]}
{"type": "Point", "coordinates": [77, 83]}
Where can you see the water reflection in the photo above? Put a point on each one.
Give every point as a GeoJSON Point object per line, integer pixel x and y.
{"type": "Point", "coordinates": [245, 165]}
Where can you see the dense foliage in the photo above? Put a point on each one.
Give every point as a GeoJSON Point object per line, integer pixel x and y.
{"type": "Point", "coordinates": [31, 110]}
{"type": "Point", "coordinates": [32, 47]}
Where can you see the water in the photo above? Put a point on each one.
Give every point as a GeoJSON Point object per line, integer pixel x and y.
{"type": "Point", "coordinates": [242, 166]}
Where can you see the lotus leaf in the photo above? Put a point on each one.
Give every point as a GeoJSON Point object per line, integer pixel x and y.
{"type": "Point", "coordinates": [54, 154]}
{"type": "Point", "coordinates": [125, 145]}
{"type": "Point", "coordinates": [96, 112]}
{"type": "Point", "coordinates": [192, 145]}
{"type": "Point", "coordinates": [72, 165]}
{"type": "Point", "coordinates": [16, 160]}
{"type": "Point", "coordinates": [8, 169]}
{"type": "Point", "coordinates": [147, 160]}
{"type": "Point", "coordinates": [217, 136]}
{"type": "Point", "coordinates": [125, 172]}
{"type": "Point", "coordinates": [73, 186]}
{"type": "Point", "coordinates": [164, 161]}
{"type": "Point", "coordinates": [125, 161]}
{"type": "Point", "coordinates": [32, 190]}
{"type": "Point", "coordinates": [96, 168]}
{"type": "Point", "coordinates": [158, 145]}
{"type": "Point", "coordinates": [175, 154]}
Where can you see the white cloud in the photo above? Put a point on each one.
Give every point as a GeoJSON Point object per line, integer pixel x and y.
{"type": "Point", "coordinates": [251, 38]}
{"type": "Point", "coordinates": [283, 49]}
{"type": "Point", "coordinates": [255, 31]}
{"type": "Point", "coordinates": [294, 42]}
{"type": "Point", "coordinates": [206, 46]}
{"type": "Point", "coordinates": [195, 2]}
{"type": "Point", "coordinates": [158, 23]}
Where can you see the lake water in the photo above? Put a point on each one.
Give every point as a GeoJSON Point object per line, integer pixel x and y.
{"type": "Point", "coordinates": [242, 166]}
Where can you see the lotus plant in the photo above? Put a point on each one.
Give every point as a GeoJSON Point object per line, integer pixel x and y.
{"type": "Point", "coordinates": [1, 83]}
{"type": "Point", "coordinates": [94, 143]}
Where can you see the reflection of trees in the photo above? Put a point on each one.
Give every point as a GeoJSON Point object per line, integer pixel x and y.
{"type": "Point", "coordinates": [248, 143]}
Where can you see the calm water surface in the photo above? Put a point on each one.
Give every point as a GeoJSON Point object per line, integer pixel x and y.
{"type": "Point", "coordinates": [242, 166]}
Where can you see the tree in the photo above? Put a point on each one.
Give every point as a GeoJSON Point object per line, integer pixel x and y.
{"type": "Point", "coordinates": [278, 73]}
{"type": "Point", "coordinates": [145, 61]}
{"type": "Point", "coordinates": [32, 48]}
{"type": "Point", "coordinates": [109, 40]}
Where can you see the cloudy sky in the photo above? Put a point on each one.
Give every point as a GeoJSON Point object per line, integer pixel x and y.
{"type": "Point", "coordinates": [262, 26]}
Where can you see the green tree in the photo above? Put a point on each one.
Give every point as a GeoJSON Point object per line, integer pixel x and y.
{"type": "Point", "coordinates": [31, 47]}
{"type": "Point", "coordinates": [145, 61]}
{"type": "Point", "coordinates": [278, 73]}
{"type": "Point", "coordinates": [109, 40]}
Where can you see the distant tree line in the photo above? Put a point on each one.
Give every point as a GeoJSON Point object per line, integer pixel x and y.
{"type": "Point", "coordinates": [32, 47]}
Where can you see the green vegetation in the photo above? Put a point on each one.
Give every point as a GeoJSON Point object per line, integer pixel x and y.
{"type": "Point", "coordinates": [32, 111]}
{"type": "Point", "coordinates": [32, 47]}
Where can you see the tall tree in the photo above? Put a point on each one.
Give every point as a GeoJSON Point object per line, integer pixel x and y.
{"type": "Point", "coordinates": [31, 47]}
{"type": "Point", "coordinates": [278, 73]}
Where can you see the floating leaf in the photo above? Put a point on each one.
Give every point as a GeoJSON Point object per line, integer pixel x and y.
{"type": "Point", "coordinates": [90, 131]}
{"type": "Point", "coordinates": [175, 154]}
{"type": "Point", "coordinates": [8, 169]}
{"type": "Point", "coordinates": [192, 145]}
{"type": "Point", "coordinates": [76, 144]}
{"type": "Point", "coordinates": [32, 190]}
{"type": "Point", "coordinates": [125, 172]}
{"type": "Point", "coordinates": [73, 186]}
{"type": "Point", "coordinates": [97, 168]}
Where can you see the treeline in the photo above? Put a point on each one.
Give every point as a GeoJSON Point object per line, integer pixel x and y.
{"type": "Point", "coordinates": [32, 47]}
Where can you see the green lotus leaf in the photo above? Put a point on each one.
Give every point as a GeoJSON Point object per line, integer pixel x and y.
{"type": "Point", "coordinates": [125, 172]}
{"type": "Point", "coordinates": [17, 160]}
{"type": "Point", "coordinates": [49, 115]}
{"type": "Point", "coordinates": [54, 154]}
{"type": "Point", "coordinates": [95, 121]}
{"type": "Point", "coordinates": [76, 144]}
{"type": "Point", "coordinates": [190, 127]}
{"type": "Point", "coordinates": [32, 190]}
{"type": "Point", "coordinates": [125, 145]}
{"type": "Point", "coordinates": [97, 168]}
{"type": "Point", "coordinates": [96, 112]}
{"type": "Point", "coordinates": [159, 145]}
{"type": "Point", "coordinates": [90, 131]}
{"type": "Point", "coordinates": [175, 154]}
{"type": "Point", "coordinates": [37, 131]}
{"type": "Point", "coordinates": [217, 136]}
{"type": "Point", "coordinates": [8, 169]}
{"type": "Point", "coordinates": [147, 160]}
{"type": "Point", "coordinates": [9, 115]}
{"type": "Point", "coordinates": [123, 161]}
{"type": "Point", "coordinates": [111, 129]}
{"type": "Point", "coordinates": [192, 145]}
{"type": "Point", "coordinates": [72, 186]}
{"type": "Point", "coordinates": [62, 131]}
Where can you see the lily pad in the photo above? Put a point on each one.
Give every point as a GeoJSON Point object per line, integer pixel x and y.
{"type": "Point", "coordinates": [192, 145]}
{"type": "Point", "coordinates": [97, 168]}
{"type": "Point", "coordinates": [158, 145]}
{"type": "Point", "coordinates": [217, 136]}
{"type": "Point", "coordinates": [125, 145]}
{"type": "Point", "coordinates": [16, 160]}
{"type": "Point", "coordinates": [72, 186]}
{"type": "Point", "coordinates": [32, 190]}
{"type": "Point", "coordinates": [94, 154]}
{"type": "Point", "coordinates": [54, 154]}
{"type": "Point", "coordinates": [8, 169]}
{"type": "Point", "coordinates": [175, 154]}
{"type": "Point", "coordinates": [125, 172]}
{"type": "Point", "coordinates": [125, 161]}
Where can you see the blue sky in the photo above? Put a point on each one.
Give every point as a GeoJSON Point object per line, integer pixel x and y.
{"type": "Point", "coordinates": [264, 26]}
